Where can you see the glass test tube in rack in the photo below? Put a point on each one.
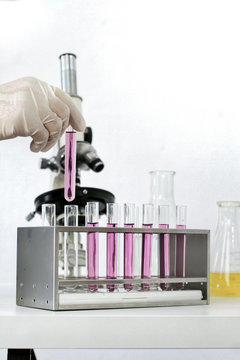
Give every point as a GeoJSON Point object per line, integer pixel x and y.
{"type": "Point", "coordinates": [71, 255]}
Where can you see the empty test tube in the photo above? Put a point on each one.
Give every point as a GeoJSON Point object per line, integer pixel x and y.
{"type": "Point", "coordinates": [129, 221]}
{"type": "Point", "coordinates": [164, 244]}
{"type": "Point", "coordinates": [180, 244]}
{"type": "Point", "coordinates": [112, 222]}
{"type": "Point", "coordinates": [71, 241]}
{"type": "Point", "coordinates": [147, 222]}
{"type": "Point", "coordinates": [48, 214]}
{"type": "Point", "coordinates": [92, 213]}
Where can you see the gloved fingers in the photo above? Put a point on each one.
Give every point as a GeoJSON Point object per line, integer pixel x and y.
{"type": "Point", "coordinates": [53, 124]}
{"type": "Point", "coordinates": [76, 119]}
{"type": "Point", "coordinates": [40, 138]}
{"type": "Point", "coordinates": [62, 111]}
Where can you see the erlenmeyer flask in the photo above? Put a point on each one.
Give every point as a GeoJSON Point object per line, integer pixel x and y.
{"type": "Point", "coordinates": [225, 254]}
{"type": "Point", "coordinates": [162, 192]}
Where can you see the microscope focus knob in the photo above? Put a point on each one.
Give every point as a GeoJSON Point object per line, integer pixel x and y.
{"type": "Point", "coordinates": [88, 135]}
{"type": "Point", "coordinates": [43, 163]}
{"type": "Point", "coordinates": [48, 164]}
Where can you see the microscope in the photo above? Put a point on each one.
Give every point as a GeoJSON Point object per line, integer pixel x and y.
{"type": "Point", "coordinates": [86, 159]}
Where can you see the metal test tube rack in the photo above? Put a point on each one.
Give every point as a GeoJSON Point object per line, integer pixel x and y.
{"type": "Point", "coordinates": [39, 284]}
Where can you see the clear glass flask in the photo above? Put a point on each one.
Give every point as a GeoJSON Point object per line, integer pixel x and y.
{"type": "Point", "coordinates": [225, 251]}
{"type": "Point", "coordinates": [147, 222]}
{"type": "Point", "coordinates": [92, 213]}
{"type": "Point", "coordinates": [112, 244]}
{"type": "Point", "coordinates": [162, 192]}
{"type": "Point", "coordinates": [70, 242]}
{"type": "Point", "coordinates": [164, 245]}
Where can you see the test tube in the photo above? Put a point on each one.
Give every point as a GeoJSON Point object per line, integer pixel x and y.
{"type": "Point", "coordinates": [70, 164]}
{"type": "Point", "coordinates": [92, 221]}
{"type": "Point", "coordinates": [180, 244]}
{"type": "Point", "coordinates": [71, 241]}
{"type": "Point", "coordinates": [129, 221]}
{"type": "Point", "coordinates": [147, 222]}
{"type": "Point", "coordinates": [164, 244]}
{"type": "Point", "coordinates": [48, 214]}
{"type": "Point", "coordinates": [112, 222]}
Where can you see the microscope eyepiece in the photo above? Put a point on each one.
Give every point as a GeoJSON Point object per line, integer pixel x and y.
{"type": "Point", "coordinates": [93, 161]}
{"type": "Point", "coordinates": [96, 165]}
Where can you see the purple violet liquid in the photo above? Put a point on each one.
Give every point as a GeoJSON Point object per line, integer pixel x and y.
{"type": "Point", "coordinates": [164, 256]}
{"type": "Point", "coordinates": [128, 256]}
{"type": "Point", "coordinates": [93, 256]}
{"type": "Point", "coordinates": [70, 165]}
{"type": "Point", "coordinates": [111, 257]}
{"type": "Point", "coordinates": [180, 260]}
{"type": "Point", "coordinates": [146, 256]}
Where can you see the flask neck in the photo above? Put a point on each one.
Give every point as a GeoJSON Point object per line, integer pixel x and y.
{"type": "Point", "coordinates": [228, 218]}
{"type": "Point", "coordinates": [162, 186]}
{"type": "Point", "coordinates": [228, 211]}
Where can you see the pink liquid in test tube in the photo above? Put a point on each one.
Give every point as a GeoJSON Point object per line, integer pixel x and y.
{"type": "Point", "coordinates": [70, 165]}
{"type": "Point", "coordinates": [146, 256]}
{"type": "Point", "coordinates": [164, 256]}
{"type": "Point", "coordinates": [128, 256]}
{"type": "Point", "coordinates": [93, 256]}
{"type": "Point", "coordinates": [111, 257]}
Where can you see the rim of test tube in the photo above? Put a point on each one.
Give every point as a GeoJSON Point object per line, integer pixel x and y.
{"type": "Point", "coordinates": [71, 216]}
{"type": "Point", "coordinates": [51, 220]}
{"type": "Point", "coordinates": [112, 213]}
{"type": "Point", "coordinates": [181, 218]}
{"type": "Point", "coordinates": [147, 214]}
{"type": "Point", "coordinates": [129, 213]}
{"type": "Point", "coordinates": [92, 212]}
{"type": "Point", "coordinates": [163, 214]}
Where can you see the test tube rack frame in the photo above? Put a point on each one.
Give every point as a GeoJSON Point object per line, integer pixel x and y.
{"type": "Point", "coordinates": [39, 285]}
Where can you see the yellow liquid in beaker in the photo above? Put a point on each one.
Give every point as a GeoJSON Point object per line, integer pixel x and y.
{"type": "Point", "coordinates": [222, 284]}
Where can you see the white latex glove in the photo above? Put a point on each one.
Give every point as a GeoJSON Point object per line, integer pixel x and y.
{"type": "Point", "coordinates": [30, 107]}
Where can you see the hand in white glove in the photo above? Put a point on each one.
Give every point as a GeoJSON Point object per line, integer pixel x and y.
{"type": "Point", "coordinates": [30, 107]}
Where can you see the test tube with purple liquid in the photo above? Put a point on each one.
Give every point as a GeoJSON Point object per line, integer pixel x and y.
{"type": "Point", "coordinates": [164, 244]}
{"type": "Point", "coordinates": [92, 214]}
{"type": "Point", "coordinates": [70, 164]}
{"type": "Point", "coordinates": [180, 245]}
{"type": "Point", "coordinates": [148, 211]}
{"type": "Point", "coordinates": [129, 221]}
{"type": "Point", "coordinates": [112, 244]}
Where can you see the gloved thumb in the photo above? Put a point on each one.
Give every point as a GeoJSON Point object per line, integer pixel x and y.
{"type": "Point", "coordinates": [76, 119]}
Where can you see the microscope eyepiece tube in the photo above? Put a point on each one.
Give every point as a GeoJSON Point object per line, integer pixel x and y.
{"type": "Point", "coordinates": [69, 73]}
{"type": "Point", "coordinates": [93, 161]}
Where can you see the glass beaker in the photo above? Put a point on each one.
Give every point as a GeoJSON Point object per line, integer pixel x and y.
{"type": "Point", "coordinates": [225, 254]}
{"type": "Point", "coordinates": [162, 192]}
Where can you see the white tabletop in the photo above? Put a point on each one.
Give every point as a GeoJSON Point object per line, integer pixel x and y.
{"type": "Point", "coordinates": [208, 326]}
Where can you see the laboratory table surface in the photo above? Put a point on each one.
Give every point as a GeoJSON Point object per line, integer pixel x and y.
{"type": "Point", "coordinates": [207, 326]}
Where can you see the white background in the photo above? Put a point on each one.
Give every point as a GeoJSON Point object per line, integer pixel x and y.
{"type": "Point", "coordinates": [161, 87]}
